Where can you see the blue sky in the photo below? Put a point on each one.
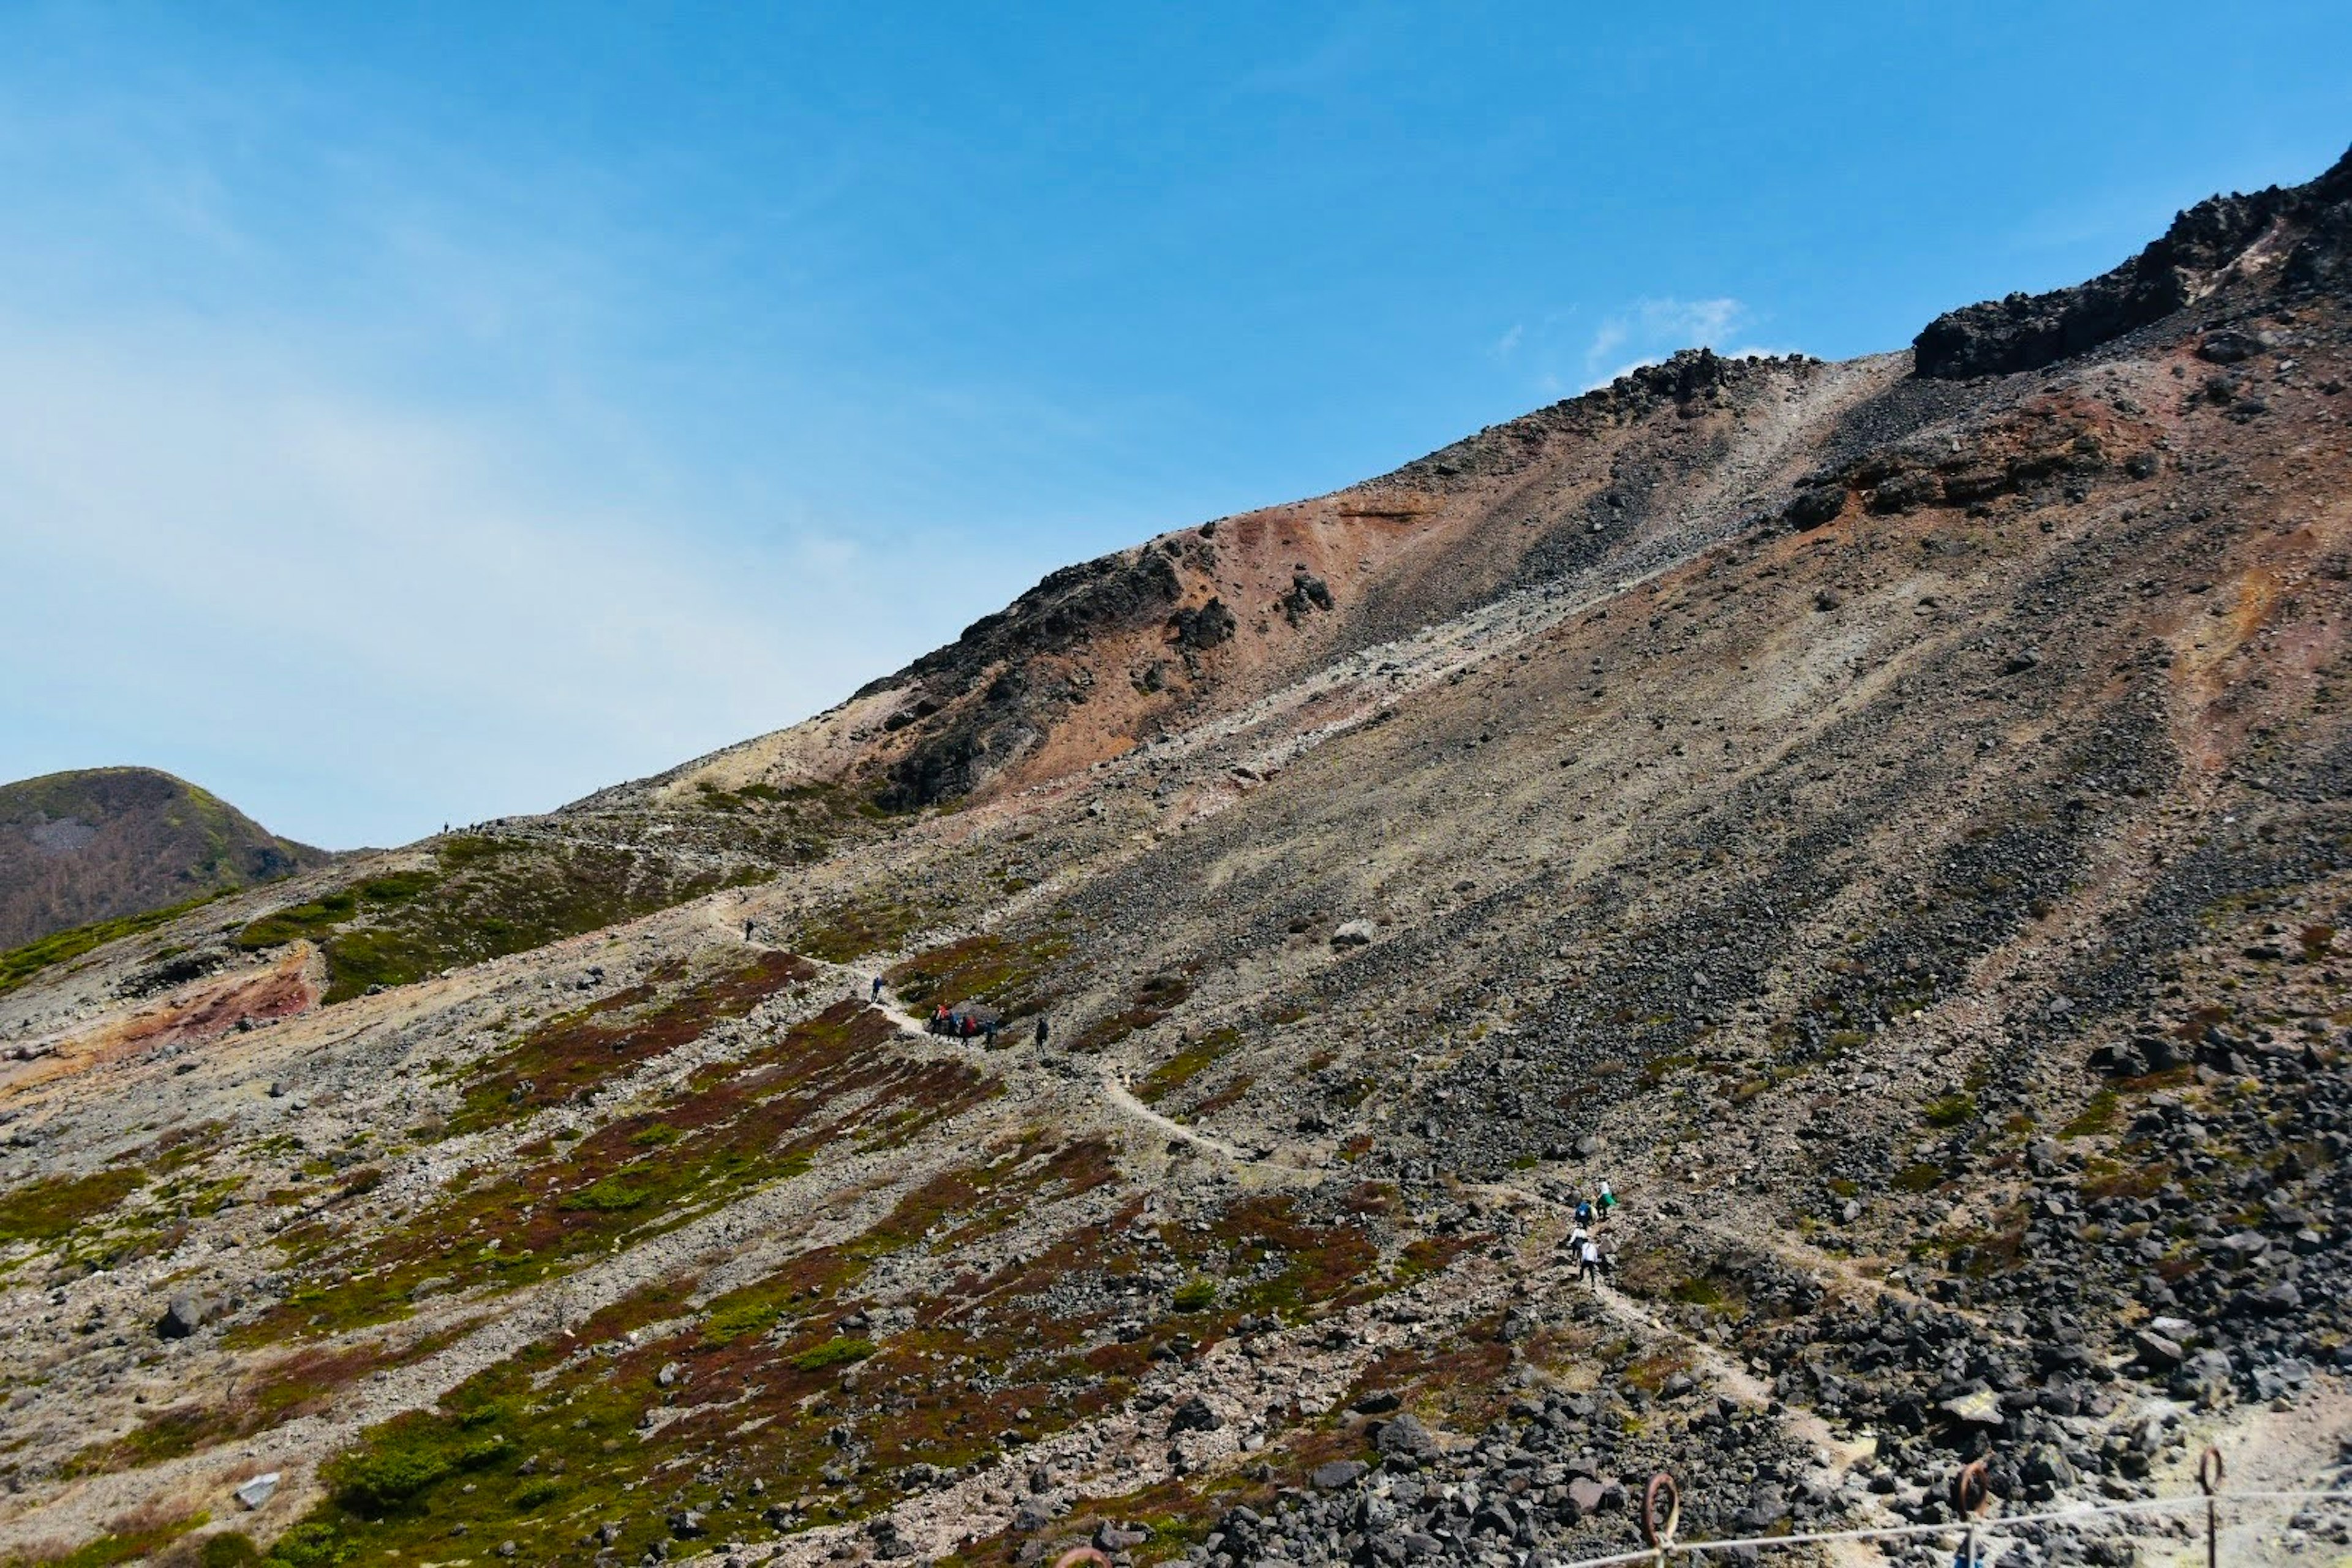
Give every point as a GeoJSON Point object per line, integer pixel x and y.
{"type": "Point", "coordinates": [419, 412]}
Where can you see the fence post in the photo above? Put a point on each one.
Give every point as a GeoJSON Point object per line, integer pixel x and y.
{"type": "Point", "coordinates": [1657, 1535]}
{"type": "Point", "coordinates": [1971, 1492]}
{"type": "Point", "coordinates": [2211, 1471]}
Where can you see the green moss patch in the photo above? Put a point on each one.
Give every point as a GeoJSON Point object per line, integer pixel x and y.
{"type": "Point", "coordinates": [833, 1353]}
{"type": "Point", "coordinates": [483, 898]}
{"type": "Point", "coordinates": [1188, 1064]}
{"type": "Point", "coordinates": [1921, 1177]}
{"type": "Point", "coordinates": [1194, 1295]}
{"type": "Point", "coordinates": [21, 964]}
{"type": "Point", "coordinates": [2095, 1119]}
{"type": "Point", "coordinates": [1951, 1111]}
{"type": "Point", "coordinates": [55, 1206]}
{"type": "Point", "coordinates": [873, 924]}
{"type": "Point", "coordinates": [992, 969]}
{"type": "Point", "coordinates": [324, 915]}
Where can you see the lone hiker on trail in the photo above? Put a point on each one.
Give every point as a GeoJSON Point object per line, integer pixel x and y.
{"type": "Point", "coordinates": [747, 931]}
{"type": "Point", "coordinates": [1042, 1031]}
{"type": "Point", "coordinates": [877, 990]}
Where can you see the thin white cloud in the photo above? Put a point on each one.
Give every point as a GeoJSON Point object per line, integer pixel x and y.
{"type": "Point", "coordinates": [1649, 330]}
{"type": "Point", "coordinates": [325, 484]}
{"type": "Point", "coordinates": [227, 542]}
{"type": "Point", "coordinates": [1331, 63]}
{"type": "Point", "coordinates": [1562, 353]}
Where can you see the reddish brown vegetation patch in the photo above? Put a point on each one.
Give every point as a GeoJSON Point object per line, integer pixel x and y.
{"type": "Point", "coordinates": [562, 1056]}
{"type": "Point", "coordinates": [308, 1383]}
{"type": "Point", "coordinates": [740, 1126]}
{"type": "Point", "coordinates": [791, 1382]}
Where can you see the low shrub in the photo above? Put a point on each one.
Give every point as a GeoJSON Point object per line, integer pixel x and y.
{"type": "Point", "coordinates": [834, 1352]}
{"type": "Point", "coordinates": [1195, 1295]}
{"type": "Point", "coordinates": [1951, 1111]}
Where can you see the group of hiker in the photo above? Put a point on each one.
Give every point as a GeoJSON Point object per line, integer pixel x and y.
{"type": "Point", "coordinates": [1588, 1241]}
{"type": "Point", "coordinates": [965, 1020]}
{"type": "Point", "coordinates": [964, 1024]}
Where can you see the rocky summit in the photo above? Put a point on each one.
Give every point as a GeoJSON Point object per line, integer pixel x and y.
{"type": "Point", "coordinates": [1130, 1078]}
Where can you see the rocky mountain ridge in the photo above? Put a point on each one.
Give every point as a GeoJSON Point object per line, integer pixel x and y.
{"type": "Point", "coordinates": [1891, 826]}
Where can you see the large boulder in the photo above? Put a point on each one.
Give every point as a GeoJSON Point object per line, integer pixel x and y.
{"type": "Point", "coordinates": [183, 1317]}
{"type": "Point", "coordinates": [2227, 347]}
{"type": "Point", "coordinates": [1338, 1473]}
{"type": "Point", "coordinates": [1403, 1436]}
{"type": "Point", "coordinates": [1978, 1407]}
{"type": "Point", "coordinates": [1193, 1413]}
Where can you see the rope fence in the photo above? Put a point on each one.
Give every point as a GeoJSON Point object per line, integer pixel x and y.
{"type": "Point", "coordinates": [1971, 1496]}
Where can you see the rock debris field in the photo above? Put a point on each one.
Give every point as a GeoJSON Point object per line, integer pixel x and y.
{"type": "Point", "coordinates": [1887, 820]}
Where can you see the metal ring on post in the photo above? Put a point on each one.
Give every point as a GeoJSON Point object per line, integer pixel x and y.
{"type": "Point", "coordinates": [2210, 1473]}
{"type": "Point", "coordinates": [1971, 1488]}
{"type": "Point", "coordinates": [1657, 1536]}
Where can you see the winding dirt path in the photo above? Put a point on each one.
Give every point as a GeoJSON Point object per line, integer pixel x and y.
{"type": "Point", "coordinates": [1119, 1096]}
{"type": "Point", "coordinates": [1115, 1094]}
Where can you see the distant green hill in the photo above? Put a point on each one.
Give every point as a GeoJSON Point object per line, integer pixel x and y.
{"type": "Point", "coordinates": [103, 843]}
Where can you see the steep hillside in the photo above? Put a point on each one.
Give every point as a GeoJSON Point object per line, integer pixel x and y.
{"type": "Point", "coordinates": [102, 843]}
{"type": "Point", "coordinates": [1889, 822]}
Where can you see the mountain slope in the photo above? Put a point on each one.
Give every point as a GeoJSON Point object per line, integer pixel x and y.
{"type": "Point", "coordinates": [1889, 824]}
{"type": "Point", "coordinates": [100, 843]}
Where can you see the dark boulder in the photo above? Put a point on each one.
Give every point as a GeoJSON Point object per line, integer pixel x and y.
{"type": "Point", "coordinates": [1812, 507]}
{"type": "Point", "coordinates": [1336, 1474]}
{"type": "Point", "coordinates": [1193, 1413]}
{"type": "Point", "coordinates": [1307, 592]}
{"type": "Point", "coordinates": [1404, 1436]}
{"type": "Point", "coordinates": [1202, 629]}
{"type": "Point", "coordinates": [2227, 347]}
{"type": "Point", "coordinates": [183, 1317]}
